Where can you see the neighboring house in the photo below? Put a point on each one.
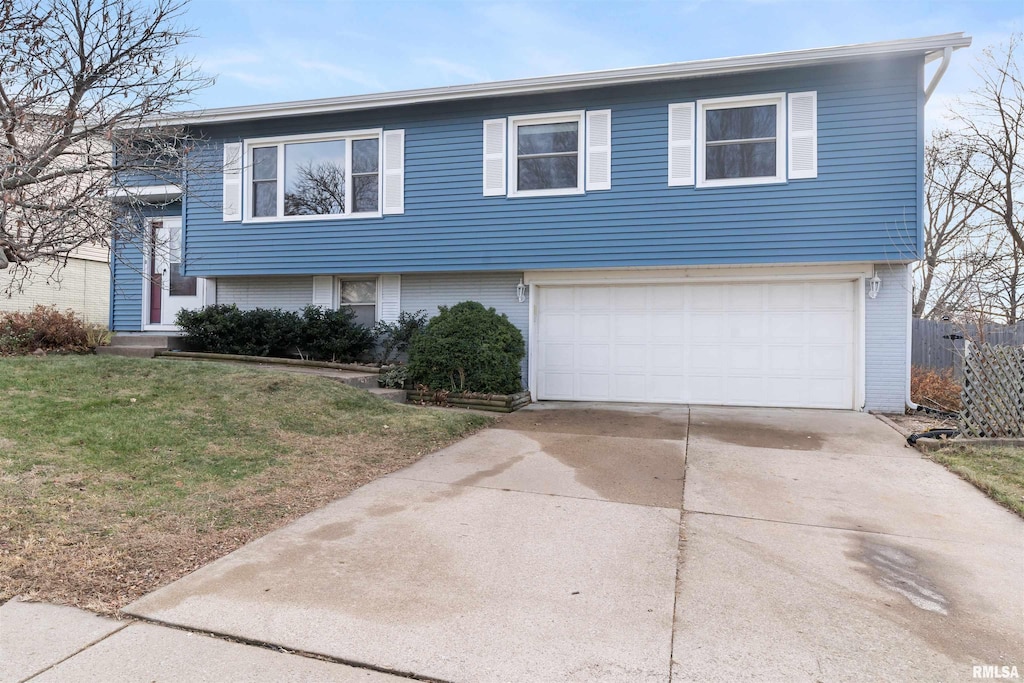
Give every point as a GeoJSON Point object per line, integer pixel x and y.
{"type": "Point", "coordinates": [81, 284]}
{"type": "Point", "coordinates": [730, 231]}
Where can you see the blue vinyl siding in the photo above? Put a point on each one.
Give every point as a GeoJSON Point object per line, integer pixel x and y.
{"type": "Point", "coordinates": [863, 206]}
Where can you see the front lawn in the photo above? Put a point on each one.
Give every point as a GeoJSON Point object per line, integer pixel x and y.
{"type": "Point", "coordinates": [120, 475]}
{"type": "Point", "coordinates": [996, 470]}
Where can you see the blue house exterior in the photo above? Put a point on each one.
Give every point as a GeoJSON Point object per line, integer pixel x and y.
{"type": "Point", "coordinates": [732, 231]}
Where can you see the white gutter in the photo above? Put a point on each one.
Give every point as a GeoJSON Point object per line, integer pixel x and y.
{"type": "Point", "coordinates": [910, 334]}
{"type": "Point", "coordinates": [947, 54]}
{"type": "Point", "coordinates": [145, 194]}
{"type": "Point", "coordinates": [592, 79]}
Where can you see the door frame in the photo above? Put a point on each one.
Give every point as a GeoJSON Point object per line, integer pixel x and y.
{"type": "Point", "coordinates": [856, 273]}
{"type": "Point", "coordinates": [147, 267]}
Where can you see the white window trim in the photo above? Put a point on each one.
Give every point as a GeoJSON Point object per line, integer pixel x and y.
{"type": "Point", "coordinates": [339, 279]}
{"type": "Point", "coordinates": [779, 100]}
{"type": "Point", "coordinates": [513, 147]}
{"type": "Point", "coordinates": [282, 140]}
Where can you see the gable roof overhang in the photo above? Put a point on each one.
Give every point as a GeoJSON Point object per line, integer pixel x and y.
{"type": "Point", "coordinates": [932, 47]}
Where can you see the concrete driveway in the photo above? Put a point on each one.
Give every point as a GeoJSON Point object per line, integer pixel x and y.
{"type": "Point", "coordinates": [814, 547]}
{"type": "Point", "coordinates": [820, 548]}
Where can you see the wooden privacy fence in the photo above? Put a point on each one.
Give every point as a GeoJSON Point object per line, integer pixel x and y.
{"type": "Point", "coordinates": [993, 391]}
{"type": "Point", "coordinates": [940, 345]}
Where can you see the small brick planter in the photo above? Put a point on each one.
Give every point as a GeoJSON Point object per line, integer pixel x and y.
{"type": "Point", "coordinates": [496, 403]}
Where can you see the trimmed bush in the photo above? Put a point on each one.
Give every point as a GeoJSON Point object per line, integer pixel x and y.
{"type": "Point", "coordinates": [318, 333]}
{"type": "Point", "coordinates": [226, 329]}
{"type": "Point", "coordinates": [394, 338]}
{"type": "Point", "coordinates": [468, 348]}
{"type": "Point", "coordinates": [333, 335]}
{"type": "Point", "coordinates": [43, 328]}
{"type": "Point", "coordinates": [213, 328]}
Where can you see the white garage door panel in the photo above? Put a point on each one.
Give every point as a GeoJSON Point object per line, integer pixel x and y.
{"type": "Point", "coordinates": [771, 344]}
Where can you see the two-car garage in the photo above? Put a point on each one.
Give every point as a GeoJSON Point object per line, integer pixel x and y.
{"type": "Point", "coordinates": [787, 343]}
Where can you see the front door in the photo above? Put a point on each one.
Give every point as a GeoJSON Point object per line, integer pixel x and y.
{"type": "Point", "coordinates": [169, 290]}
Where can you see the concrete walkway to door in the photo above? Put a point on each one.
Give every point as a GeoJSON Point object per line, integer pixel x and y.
{"type": "Point", "coordinates": [814, 547]}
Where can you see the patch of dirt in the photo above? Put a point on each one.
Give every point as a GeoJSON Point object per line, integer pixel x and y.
{"type": "Point", "coordinates": [921, 422]}
{"type": "Point", "coordinates": [86, 551]}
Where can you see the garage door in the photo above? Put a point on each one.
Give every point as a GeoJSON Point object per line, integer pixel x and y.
{"type": "Point", "coordinates": [754, 344]}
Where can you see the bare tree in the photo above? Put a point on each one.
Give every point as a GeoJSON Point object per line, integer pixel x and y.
{"type": "Point", "coordinates": [952, 258]}
{"type": "Point", "coordinates": [992, 120]}
{"type": "Point", "coordinates": [77, 78]}
{"type": "Point", "coordinates": [1003, 280]}
{"type": "Point", "coordinates": [319, 190]}
{"type": "Point", "coordinates": [973, 266]}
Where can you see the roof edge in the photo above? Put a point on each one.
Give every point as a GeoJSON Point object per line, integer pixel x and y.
{"type": "Point", "coordinates": [928, 45]}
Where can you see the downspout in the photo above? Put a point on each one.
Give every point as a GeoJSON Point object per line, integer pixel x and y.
{"type": "Point", "coordinates": [947, 54]}
{"type": "Point", "coordinates": [910, 335]}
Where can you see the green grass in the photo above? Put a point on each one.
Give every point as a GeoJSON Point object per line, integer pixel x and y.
{"type": "Point", "coordinates": [996, 470]}
{"type": "Point", "coordinates": [104, 454]}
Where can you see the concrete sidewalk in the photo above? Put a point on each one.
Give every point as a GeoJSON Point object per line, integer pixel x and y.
{"type": "Point", "coordinates": [52, 644]}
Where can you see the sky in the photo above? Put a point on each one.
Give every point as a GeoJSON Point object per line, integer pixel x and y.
{"type": "Point", "coordinates": [279, 50]}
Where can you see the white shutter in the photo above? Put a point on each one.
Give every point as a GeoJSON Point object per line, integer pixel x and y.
{"type": "Point", "coordinates": [232, 181]}
{"type": "Point", "coordinates": [680, 143]}
{"type": "Point", "coordinates": [599, 150]}
{"type": "Point", "coordinates": [211, 292]}
{"type": "Point", "coordinates": [390, 298]}
{"type": "Point", "coordinates": [394, 172]}
{"type": "Point", "coordinates": [323, 291]}
{"type": "Point", "coordinates": [494, 157]}
{"type": "Point", "coordinates": [803, 135]}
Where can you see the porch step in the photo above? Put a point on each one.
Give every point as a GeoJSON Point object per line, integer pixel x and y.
{"type": "Point", "coordinates": [154, 340]}
{"type": "Point", "coordinates": [394, 395]}
{"type": "Point", "coordinates": [163, 342]}
{"type": "Point", "coordinates": [129, 351]}
{"type": "Point", "coordinates": [360, 380]}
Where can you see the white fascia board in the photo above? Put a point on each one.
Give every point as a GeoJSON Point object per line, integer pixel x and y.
{"type": "Point", "coordinates": [145, 193]}
{"type": "Point", "coordinates": [591, 79]}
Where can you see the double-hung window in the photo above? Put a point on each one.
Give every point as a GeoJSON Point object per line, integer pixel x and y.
{"type": "Point", "coordinates": [546, 154]}
{"type": "Point", "coordinates": [741, 141]}
{"type": "Point", "coordinates": [361, 297]}
{"type": "Point", "coordinates": [326, 176]}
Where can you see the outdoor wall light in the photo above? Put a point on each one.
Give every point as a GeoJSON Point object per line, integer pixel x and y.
{"type": "Point", "coordinates": [874, 284]}
{"type": "Point", "coordinates": [521, 291]}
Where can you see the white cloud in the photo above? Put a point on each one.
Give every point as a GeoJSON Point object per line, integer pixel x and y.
{"type": "Point", "coordinates": [220, 60]}
{"type": "Point", "coordinates": [452, 70]}
{"type": "Point", "coordinates": [539, 41]}
{"type": "Point", "coordinates": [344, 73]}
